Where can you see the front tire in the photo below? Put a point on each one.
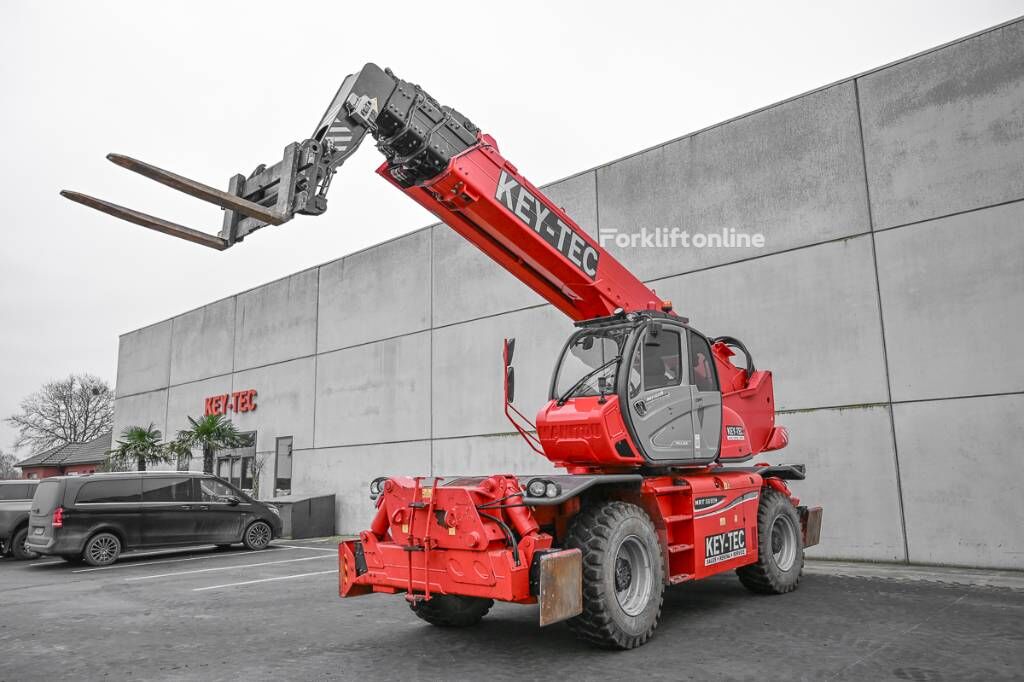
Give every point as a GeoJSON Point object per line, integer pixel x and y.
{"type": "Point", "coordinates": [102, 549]}
{"type": "Point", "coordinates": [452, 610]}
{"type": "Point", "coordinates": [18, 549]}
{"type": "Point", "coordinates": [623, 575]}
{"type": "Point", "coordinates": [780, 547]}
{"type": "Point", "coordinates": [257, 536]}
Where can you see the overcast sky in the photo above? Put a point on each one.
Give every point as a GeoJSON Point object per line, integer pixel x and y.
{"type": "Point", "coordinates": [209, 89]}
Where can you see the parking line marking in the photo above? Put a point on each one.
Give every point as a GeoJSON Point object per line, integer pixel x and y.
{"type": "Point", "coordinates": [143, 562]}
{"type": "Point", "coordinates": [315, 549]}
{"type": "Point", "coordinates": [49, 563]}
{"type": "Point", "coordinates": [264, 580]}
{"type": "Point", "coordinates": [226, 568]}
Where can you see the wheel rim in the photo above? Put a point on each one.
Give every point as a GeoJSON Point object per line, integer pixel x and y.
{"type": "Point", "coordinates": [259, 534]}
{"type": "Point", "coordinates": [784, 542]}
{"type": "Point", "coordinates": [633, 575]}
{"type": "Point", "coordinates": [103, 549]}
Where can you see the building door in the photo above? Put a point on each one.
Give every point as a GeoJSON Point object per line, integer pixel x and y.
{"type": "Point", "coordinates": [234, 465]}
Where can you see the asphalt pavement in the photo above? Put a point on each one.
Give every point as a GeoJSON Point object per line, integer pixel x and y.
{"type": "Point", "coordinates": [210, 614]}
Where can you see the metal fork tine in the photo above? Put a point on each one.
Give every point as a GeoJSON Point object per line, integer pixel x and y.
{"type": "Point", "coordinates": [153, 223]}
{"type": "Point", "coordinates": [198, 189]}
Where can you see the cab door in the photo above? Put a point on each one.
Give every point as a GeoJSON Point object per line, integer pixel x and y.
{"type": "Point", "coordinates": [707, 398]}
{"type": "Point", "coordinates": [660, 398]}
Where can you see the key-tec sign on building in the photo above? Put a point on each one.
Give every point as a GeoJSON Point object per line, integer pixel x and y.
{"type": "Point", "coordinates": [239, 401]}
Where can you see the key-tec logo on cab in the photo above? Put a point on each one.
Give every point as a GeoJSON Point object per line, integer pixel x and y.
{"type": "Point", "coordinates": [239, 401]}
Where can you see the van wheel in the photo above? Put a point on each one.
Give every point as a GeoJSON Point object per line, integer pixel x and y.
{"type": "Point", "coordinates": [257, 535]}
{"type": "Point", "coordinates": [18, 548]}
{"type": "Point", "coordinates": [102, 549]}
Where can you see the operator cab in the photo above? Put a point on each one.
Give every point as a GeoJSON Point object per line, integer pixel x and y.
{"type": "Point", "coordinates": [639, 389]}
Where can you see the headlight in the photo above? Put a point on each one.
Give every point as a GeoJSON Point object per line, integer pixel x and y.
{"type": "Point", "coordinates": [542, 487]}
{"type": "Point", "coordinates": [274, 509]}
{"type": "Point", "coordinates": [536, 487]}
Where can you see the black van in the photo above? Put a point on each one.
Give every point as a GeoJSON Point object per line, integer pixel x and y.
{"type": "Point", "coordinates": [94, 518]}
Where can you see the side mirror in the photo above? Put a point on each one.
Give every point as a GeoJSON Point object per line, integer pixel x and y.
{"type": "Point", "coordinates": [510, 384]}
{"type": "Point", "coordinates": [510, 350]}
{"type": "Point", "coordinates": [232, 500]}
{"type": "Point", "coordinates": [653, 330]}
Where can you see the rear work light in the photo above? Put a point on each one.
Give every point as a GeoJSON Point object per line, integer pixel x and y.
{"type": "Point", "coordinates": [58, 518]}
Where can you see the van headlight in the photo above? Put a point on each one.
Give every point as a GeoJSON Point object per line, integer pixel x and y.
{"type": "Point", "coordinates": [274, 509]}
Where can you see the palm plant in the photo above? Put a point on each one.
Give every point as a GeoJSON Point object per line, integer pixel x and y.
{"type": "Point", "coordinates": [211, 433]}
{"type": "Point", "coordinates": [139, 446]}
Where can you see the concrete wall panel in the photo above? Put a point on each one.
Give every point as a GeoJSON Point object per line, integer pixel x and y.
{"type": "Point", "coordinates": [487, 455]}
{"type": "Point", "coordinates": [810, 316]}
{"type": "Point", "coordinates": [202, 342]}
{"type": "Point", "coordinates": [469, 285]}
{"type": "Point", "coordinates": [376, 294]}
{"type": "Point", "coordinates": [375, 393]}
{"type": "Point", "coordinates": [144, 359]}
{"type": "Point", "coordinates": [952, 293]}
{"type": "Point", "coordinates": [851, 472]}
{"type": "Point", "coordinates": [467, 384]}
{"type": "Point", "coordinates": [792, 172]}
{"type": "Point", "coordinates": [961, 488]}
{"type": "Point", "coordinates": [284, 403]}
{"type": "Point", "coordinates": [141, 409]}
{"type": "Point", "coordinates": [276, 322]}
{"type": "Point", "coordinates": [943, 132]}
{"type": "Point", "coordinates": [189, 400]}
{"type": "Point", "coordinates": [347, 473]}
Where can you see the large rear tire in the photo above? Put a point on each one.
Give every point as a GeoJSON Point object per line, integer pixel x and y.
{"type": "Point", "coordinates": [623, 575]}
{"type": "Point", "coordinates": [452, 610]}
{"type": "Point", "coordinates": [780, 547]}
{"type": "Point", "coordinates": [18, 548]}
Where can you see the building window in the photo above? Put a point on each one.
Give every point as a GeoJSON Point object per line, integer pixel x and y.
{"type": "Point", "coordinates": [283, 467]}
{"type": "Point", "coordinates": [234, 465]}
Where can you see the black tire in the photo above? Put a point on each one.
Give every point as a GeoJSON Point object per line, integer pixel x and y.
{"type": "Point", "coordinates": [780, 547]}
{"type": "Point", "coordinates": [18, 549]}
{"type": "Point", "coordinates": [452, 610]}
{"type": "Point", "coordinates": [623, 575]}
{"type": "Point", "coordinates": [257, 535]}
{"type": "Point", "coordinates": [102, 549]}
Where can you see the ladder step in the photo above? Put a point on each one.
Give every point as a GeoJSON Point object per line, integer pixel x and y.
{"type": "Point", "coordinates": [669, 489]}
{"type": "Point", "coordinates": [675, 549]}
{"type": "Point", "coordinates": [681, 578]}
{"type": "Point", "coordinates": [676, 518]}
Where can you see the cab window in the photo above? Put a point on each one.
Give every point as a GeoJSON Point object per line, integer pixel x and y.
{"type": "Point", "coordinates": [704, 377]}
{"type": "Point", "coordinates": [662, 353]}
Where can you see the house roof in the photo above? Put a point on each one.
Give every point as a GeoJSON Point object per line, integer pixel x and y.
{"type": "Point", "coordinates": [71, 453]}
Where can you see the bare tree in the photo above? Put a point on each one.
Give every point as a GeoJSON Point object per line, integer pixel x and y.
{"type": "Point", "coordinates": [7, 470]}
{"type": "Point", "coordinates": [72, 410]}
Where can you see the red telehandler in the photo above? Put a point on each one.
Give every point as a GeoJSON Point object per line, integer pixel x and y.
{"type": "Point", "coordinates": [648, 416]}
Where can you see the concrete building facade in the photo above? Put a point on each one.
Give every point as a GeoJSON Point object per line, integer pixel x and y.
{"type": "Point", "coordinates": [888, 299]}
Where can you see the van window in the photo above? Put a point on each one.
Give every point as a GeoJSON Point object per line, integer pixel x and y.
{"type": "Point", "coordinates": [47, 497]}
{"type": "Point", "coordinates": [115, 490]}
{"type": "Point", "coordinates": [167, 489]}
{"type": "Point", "coordinates": [215, 491]}
{"type": "Point", "coordinates": [15, 491]}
